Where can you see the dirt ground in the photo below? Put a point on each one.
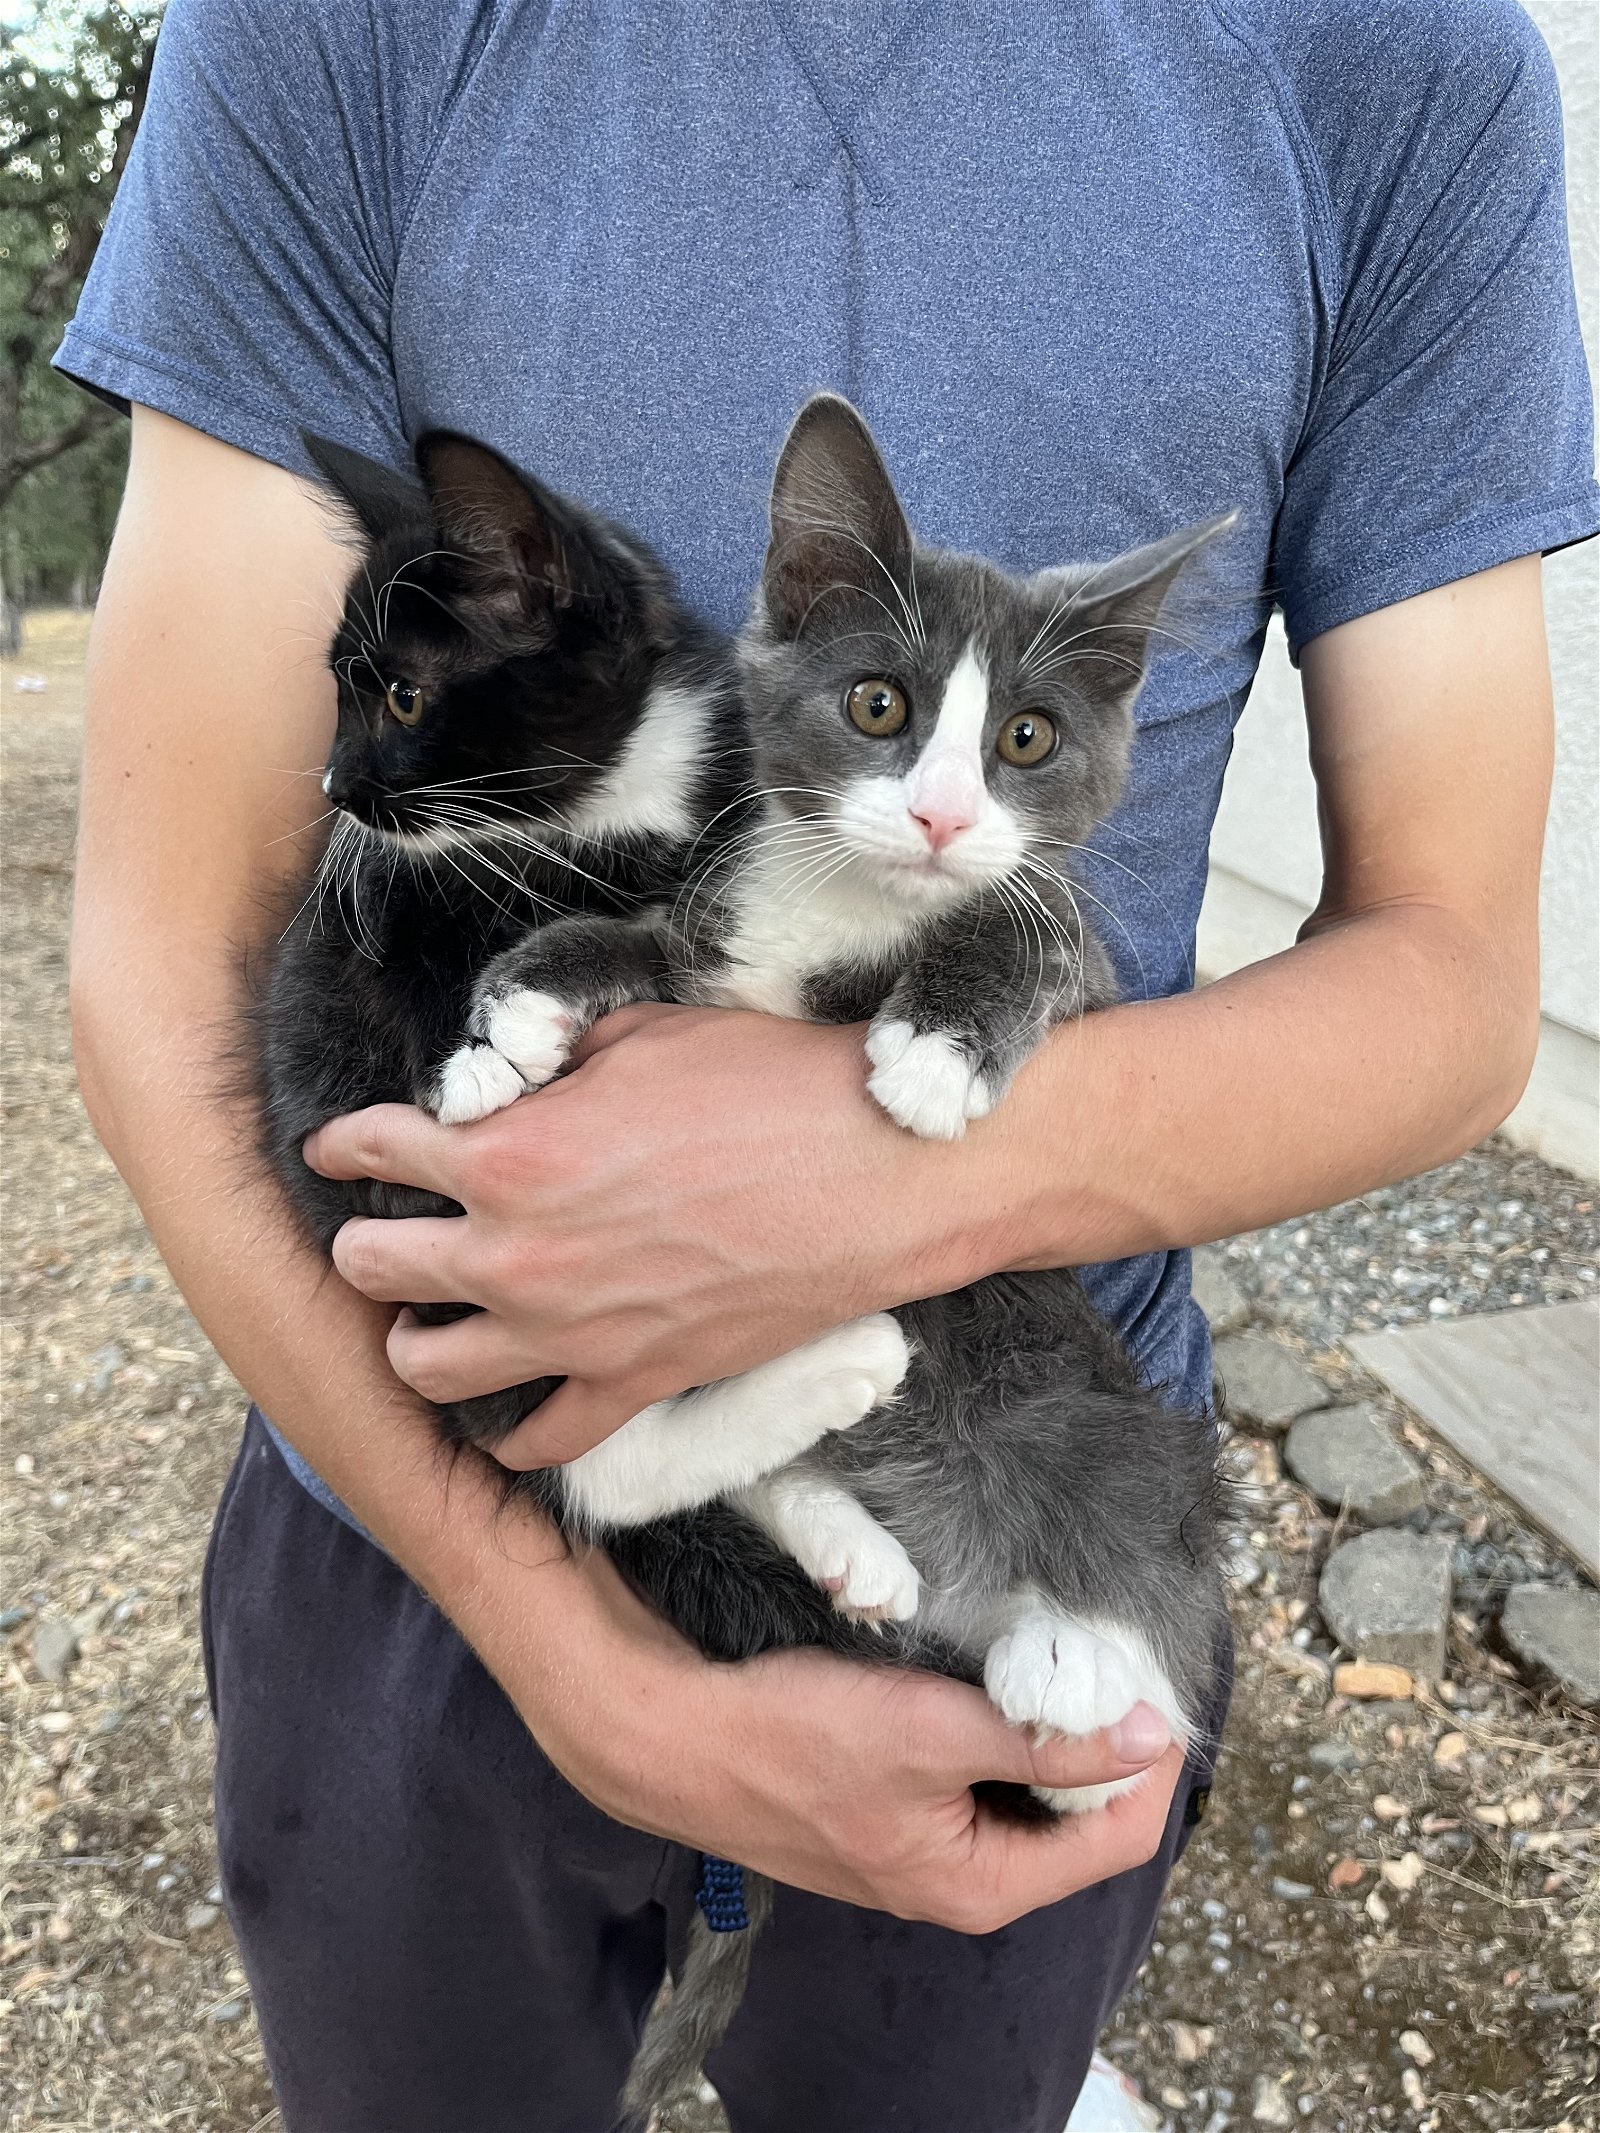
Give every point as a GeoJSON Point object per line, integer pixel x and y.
{"type": "Point", "coordinates": [1390, 1917]}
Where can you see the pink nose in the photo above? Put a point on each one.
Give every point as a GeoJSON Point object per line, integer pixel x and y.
{"type": "Point", "coordinates": [940, 825]}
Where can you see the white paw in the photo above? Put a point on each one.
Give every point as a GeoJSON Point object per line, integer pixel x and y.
{"type": "Point", "coordinates": [1062, 1676]}
{"type": "Point", "coordinates": [473, 1082]}
{"type": "Point", "coordinates": [871, 1577]}
{"type": "Point", "coordinates": [926, 1083]}
{"type": "Point", "coordinates": [532, 1029]}
{"type": "Point", "coordinates": [855, 1368]}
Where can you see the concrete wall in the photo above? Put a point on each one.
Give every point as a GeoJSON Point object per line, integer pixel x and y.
{"type": "Point", "coordinates": [1265, 864]}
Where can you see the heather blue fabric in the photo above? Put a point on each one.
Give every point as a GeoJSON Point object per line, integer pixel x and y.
{"type": "Point", "coordinates": [1091, 271]}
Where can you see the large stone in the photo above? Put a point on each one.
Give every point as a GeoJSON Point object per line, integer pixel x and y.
{"type": "Point", "coordinates": [1555, 1630]}
{"type": "Point", "coordinates": [1264, 1384]}
{"type": "Point", "coordinates": [1218, 1294]}
{"type": "Point", "coordinates": [1349, 1461]}
{"type": "Point", "coordinates": [1386, 1596]}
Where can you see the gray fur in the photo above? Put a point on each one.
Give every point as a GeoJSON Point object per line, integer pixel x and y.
{"type": "Point", "coordinates": [1023, 1463]}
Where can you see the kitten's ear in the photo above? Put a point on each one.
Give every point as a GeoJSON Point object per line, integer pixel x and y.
{"type": "Point", "coordinates": [1116, 606]}
{"type": "Point", "coordinates": [522, 549]}
{"type": "Point", "coordinates": [836, 521]}
{"type": "Point", "coordinates": [375, 496]}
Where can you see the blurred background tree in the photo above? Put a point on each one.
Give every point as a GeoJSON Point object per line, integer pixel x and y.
{"type": "Point", "coordinates": [72, 88]}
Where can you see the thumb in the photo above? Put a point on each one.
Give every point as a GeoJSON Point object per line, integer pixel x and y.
{"type": "Point", "coordinates": [576, 1417]}
{"type": "Point", "coordinates": [981, 1743]}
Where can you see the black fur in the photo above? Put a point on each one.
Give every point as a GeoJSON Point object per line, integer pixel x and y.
{"type": "Point", "coordinates": [537, 633]}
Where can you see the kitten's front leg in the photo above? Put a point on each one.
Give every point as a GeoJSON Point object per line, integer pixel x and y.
{"type": "Point", "coordinates": [534, 1002]}
{"type": "Point", "coordinates": [946, 1043]}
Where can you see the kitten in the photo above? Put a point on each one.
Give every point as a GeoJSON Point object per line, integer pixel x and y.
{"type": "Point", "coordinates": [525, 724]}
{"type": "Point", "coordinates": [929, 734]}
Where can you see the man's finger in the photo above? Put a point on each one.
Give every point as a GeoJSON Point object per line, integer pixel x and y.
{"type": "Point", "coordinates": [975, 1742]}
{"type": "Point", "coordinates": [458, 1361]}
{"type": "Point", "coordinates": [572, 1421]}
{"type": "Point", "coordinates": [394, 1142]}
{"type": "Point", "coordinates": [1019, 1866]}
{"type": "Point", "coordinates": [414, 1261]}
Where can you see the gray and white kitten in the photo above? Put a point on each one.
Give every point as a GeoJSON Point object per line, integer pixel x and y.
{"type": "Point", "coordinates": [979, 1483]}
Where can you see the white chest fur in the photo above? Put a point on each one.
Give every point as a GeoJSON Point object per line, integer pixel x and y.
{"type": "Point", "coordinates": [794, 911]}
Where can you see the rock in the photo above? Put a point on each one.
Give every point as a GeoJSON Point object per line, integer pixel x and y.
{"type": "Point", "coordinates": [1555, 1631]}
{"type": "Point", "coordinates": [1386, 1596]}
{"type": "Point", "coordinates": [1416, 2047]}
{"type": "Point", "coordinates": [199, 1916]}
{"type": "Point", "coordinates": [1403, 1873]}
{"type": "Point", "coordinates": [55, 1646]}
{"type": "Point", "coordinates": [1270, 2106]}
{"type": "Point", "coordinates": [1361, 1677]}
{"type": "Point", "coordinates": [1218, 1294]}
{"type": "Point", "coordinates": [1347, 1459]}
{"type": "Point", "coordinates": [1264, 1383]}
{"type": "Point", "coordinates": [227, 2011]}
{"type": "Point", "coordinates": [1290, 1891]}
{"type": "Point", "coordinates": [1332, 1755]}
{"type": "Point", "coordinates": [1347, 1873]}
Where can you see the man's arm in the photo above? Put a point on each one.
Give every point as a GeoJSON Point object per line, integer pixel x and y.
{"type": "Point", "coordinates": [210, 712]}
{"type": "Point", "coordinates": [1396, 1033]}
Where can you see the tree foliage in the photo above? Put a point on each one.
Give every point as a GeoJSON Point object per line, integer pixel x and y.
{"type": "Point", "coordinates": [72, 89]}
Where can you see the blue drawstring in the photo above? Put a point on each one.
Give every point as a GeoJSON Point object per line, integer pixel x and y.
{"type": "Point", "coordinates": [721, 1895]}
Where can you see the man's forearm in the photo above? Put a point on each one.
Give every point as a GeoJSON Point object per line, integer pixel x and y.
{"type": "Point", "coordinates": [1367, 1053]}
{"type": "Point", "coordinates": [306, 1346]}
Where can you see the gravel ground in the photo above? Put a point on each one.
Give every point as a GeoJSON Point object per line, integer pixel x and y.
{"type": "Point", "coordinates": [1388, 1918]}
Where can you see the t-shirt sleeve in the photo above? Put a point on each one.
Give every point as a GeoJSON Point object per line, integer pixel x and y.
{"type": "Point", "coordinates": [243, 281]}
{"type": "Point", "coordinates": [1453, 427]}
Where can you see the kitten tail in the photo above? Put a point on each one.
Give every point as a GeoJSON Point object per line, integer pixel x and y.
{"type": "Point", "coordinates": [688, 2024]}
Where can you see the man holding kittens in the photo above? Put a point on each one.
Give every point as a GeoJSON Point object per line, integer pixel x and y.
{"type": "Point", "coordinates": [1091, 278]}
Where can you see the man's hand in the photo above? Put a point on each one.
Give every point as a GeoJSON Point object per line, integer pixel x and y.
{"type": "Point", "coordinates": [851, 1781]}
{"type": "Point", "coordinates": [705, 1191]}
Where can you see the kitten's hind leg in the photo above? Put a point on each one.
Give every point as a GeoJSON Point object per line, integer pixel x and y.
{"type": "Point", "coordinates": [1060, 1675]}
{"type": "Point", "coordinates": [722, 1437]}
{"type": "Point", "coordinates": [837, 1542]}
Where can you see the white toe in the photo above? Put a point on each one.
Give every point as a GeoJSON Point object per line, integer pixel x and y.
{"type": "Point", "coordinates": [926, 1083]}
{"type": "Point", "coordinates": [533, 1030]}
{"type": "Point", "coordinates": [472, 1083]}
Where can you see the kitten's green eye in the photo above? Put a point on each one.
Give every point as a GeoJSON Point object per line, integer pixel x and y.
{"type": "Point", "coordinates": [877, 707]}
{"type": "Point", "coordinates": [406, 701]}
{"type": "Point", "coordinates": [1026, 739]}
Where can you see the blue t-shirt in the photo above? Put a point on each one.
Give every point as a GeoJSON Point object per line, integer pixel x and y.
{"type": "Point", "coordinates": [1092, 271]}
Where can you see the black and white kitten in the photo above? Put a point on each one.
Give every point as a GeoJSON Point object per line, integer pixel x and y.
{"type": "Point", "coordinates": [525, 724]}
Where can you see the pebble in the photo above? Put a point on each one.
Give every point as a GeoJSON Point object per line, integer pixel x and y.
{"type": "Point", "coordinates": [13, 1618]}
{"type": "Point", "coordinates": [1555, 1632]}
{"type": "Point", "coordinates": [228, 2011]}
{"type": "Point", "coordinates": [1270, 2106]}
{"type": "Point", "coordinates": [199, 1916]}
{"type": "Point", "coordinates": [1366, 1678]}
{"type": "Point", "coordinates": [1386, 1596]}
{"type": "Point", "coordinates": [1347, 1459]}
{"type": "Point", "coordinates": [1333, 1755]}
{"type": "Point", "coordinates": [1417, 2048]}
{"type": "Point", "coordinates": [55, 1646]}
{"type": "Point", "coordinates": [1265, 1383]}
{"type": "Point", "coordinates": [1290, 1891]}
